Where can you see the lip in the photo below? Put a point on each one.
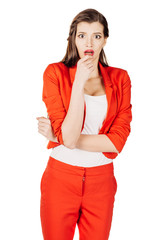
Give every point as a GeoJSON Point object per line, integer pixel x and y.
{"type": "Point", "coordinates": [89, 50]}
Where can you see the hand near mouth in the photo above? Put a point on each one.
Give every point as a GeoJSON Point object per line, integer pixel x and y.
{"type": "Point", "coordinates": [84, 68]}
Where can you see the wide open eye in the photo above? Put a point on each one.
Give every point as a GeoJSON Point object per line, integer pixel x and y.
{"type": "Point", "coordinates": [99, 36]}
{"type": "Point", "coordinates": [80, 35]}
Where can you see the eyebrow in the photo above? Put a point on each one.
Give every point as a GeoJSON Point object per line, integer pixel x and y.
{"type": "Point", "coordinates": [94, 33]}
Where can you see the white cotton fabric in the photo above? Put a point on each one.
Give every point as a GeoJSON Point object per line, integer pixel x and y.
{"type": "Point", "coordinates": [96, 110]}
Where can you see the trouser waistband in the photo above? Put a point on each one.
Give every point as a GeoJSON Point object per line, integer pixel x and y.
{"type": "Point", "coordinates": [77, 170]}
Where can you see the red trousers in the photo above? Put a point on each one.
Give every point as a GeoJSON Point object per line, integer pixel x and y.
{"type": "Point", "coordinates": [73, 195]}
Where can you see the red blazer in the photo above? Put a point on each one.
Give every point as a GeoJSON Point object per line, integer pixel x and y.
{"type": "Point", "coordinates": [57, 87]}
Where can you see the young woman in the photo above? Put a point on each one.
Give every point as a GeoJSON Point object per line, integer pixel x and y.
{"type": "Point", "coordinates": [89, 110]}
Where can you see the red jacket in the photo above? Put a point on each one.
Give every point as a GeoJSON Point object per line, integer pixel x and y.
{"type": "Point", "coordinates": [57, 87]}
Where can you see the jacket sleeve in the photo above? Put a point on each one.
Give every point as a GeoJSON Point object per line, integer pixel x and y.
{"type": "Point", "coordinates": [120, 128]}
{"type": "Point", "coordinates": [51, 96]}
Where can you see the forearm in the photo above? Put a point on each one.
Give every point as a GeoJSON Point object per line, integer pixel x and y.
{"type": "Point", "coordinates": [95, 143]}
{"type": "Point", "coordinates": [72, 124]}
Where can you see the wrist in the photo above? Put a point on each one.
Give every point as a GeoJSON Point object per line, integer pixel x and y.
{"type": "Point", "coordinates": [52, 138]}
{"type": "Point", "coordinates": [79, 84]}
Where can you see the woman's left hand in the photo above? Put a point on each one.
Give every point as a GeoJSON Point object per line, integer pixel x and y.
{"type": "Point", "coordinates": [45, 128]}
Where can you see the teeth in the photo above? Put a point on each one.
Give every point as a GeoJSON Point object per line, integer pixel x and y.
{"type": "Point", "coordinates": [88, 51]}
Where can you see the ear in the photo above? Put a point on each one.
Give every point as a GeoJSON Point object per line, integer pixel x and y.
{"type": "Point", "coordinates": [105, 41]}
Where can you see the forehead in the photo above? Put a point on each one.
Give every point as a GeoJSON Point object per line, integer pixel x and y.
{"type": "Point", "coordinates": [89, 27]}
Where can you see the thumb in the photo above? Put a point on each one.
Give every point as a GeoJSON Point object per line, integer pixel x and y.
{"type": "Point", "coordinates": [38, 118]}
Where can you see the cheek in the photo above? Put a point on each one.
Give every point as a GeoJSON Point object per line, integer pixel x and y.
{"type": "Point", "coordinates": [76, 42]}
{"type": "Point", "coordinates": [99, 47]}
{"type": "Point", "coordinates": [79, 47]}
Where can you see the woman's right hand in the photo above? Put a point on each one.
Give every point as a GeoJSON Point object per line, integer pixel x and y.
{"type": "Point", "coordinates": [84, 68]}
{"type": "Point", "coordinates": [45, 128]}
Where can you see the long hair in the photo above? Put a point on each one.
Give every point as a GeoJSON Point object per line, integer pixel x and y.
{"type": "Point", "coordinates": [89, 15]}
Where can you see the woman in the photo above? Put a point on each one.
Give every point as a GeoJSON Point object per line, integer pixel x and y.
{"type": "Point", "coordinates": [89, 110]}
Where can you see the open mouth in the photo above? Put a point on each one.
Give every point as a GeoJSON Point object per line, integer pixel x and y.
{"type": "Point", "coordinates": [89, 52]}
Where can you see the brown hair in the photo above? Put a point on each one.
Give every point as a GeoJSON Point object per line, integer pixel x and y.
{"type": "Point", "coordinates": [89, 15]}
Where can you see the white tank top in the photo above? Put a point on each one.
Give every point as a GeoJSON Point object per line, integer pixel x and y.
{"type": "Point", "coordinates": [96, 110]}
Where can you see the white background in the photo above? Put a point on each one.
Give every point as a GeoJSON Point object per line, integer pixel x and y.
{"type": "Point", "coordinates": [34, 34]}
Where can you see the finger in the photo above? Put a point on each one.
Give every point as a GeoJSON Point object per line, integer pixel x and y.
{"type": "Point", "coordinates": [89, 63]}
{"type": "Point", "coordinates": [90, 67]}
{"type": "Point", "coordinates": [44, 120]}
{"type": "Point", "coordinates": [85, 58]}
{"type": "Point", "coordinates": [41, 118]}
{"type": "Point", "coordinates": [44, 125]}
{"type": "Point", "coordinates": [42, 132]}
{"type": "Point", "coordinates": [43, 128]}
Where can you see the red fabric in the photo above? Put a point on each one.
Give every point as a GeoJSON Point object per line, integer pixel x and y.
{"type": "Point", "coordinates": [57, 87]}
{"type": "Point", "coordinates": [73, 195]}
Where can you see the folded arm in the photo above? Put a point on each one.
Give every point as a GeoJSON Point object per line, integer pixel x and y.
{"type": "Point", "coordinates": [66, 125]}
{"type": "Point", "coordinates": [95, 143]}
{"type": "Point", "coordinates": [120, 128]}
{"type": "Point", "coordinates": [113, 140]}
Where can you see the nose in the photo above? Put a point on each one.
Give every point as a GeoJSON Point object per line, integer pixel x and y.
{"type": "Point", "coordinates": [89, 42]}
